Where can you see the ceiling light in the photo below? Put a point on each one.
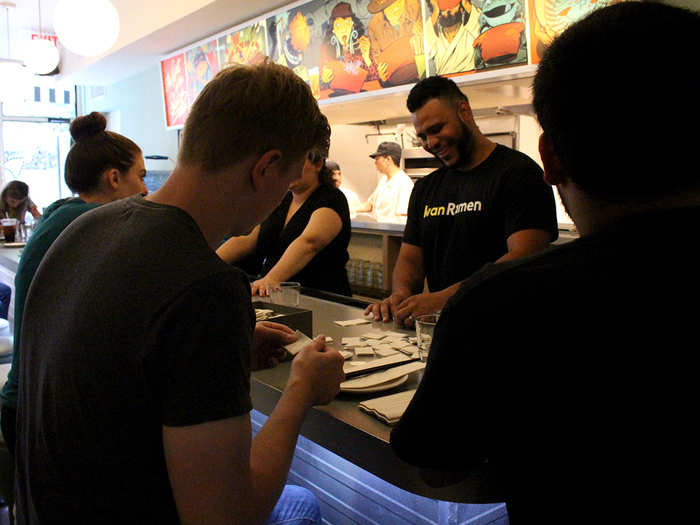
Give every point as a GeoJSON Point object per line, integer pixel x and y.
{"type": "Point", "coordinates": [86, 27]}
{"type": "Point", "coordinates": [40, 55]}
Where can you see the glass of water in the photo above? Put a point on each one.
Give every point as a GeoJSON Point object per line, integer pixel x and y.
{"type": "Point", "coordinates": [285, 293]}
{"type": "Point", "coordinates": [425, 329]}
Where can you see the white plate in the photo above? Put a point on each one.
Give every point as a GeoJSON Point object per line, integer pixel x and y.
{"type": "Point", "coordinates": [377, 388]}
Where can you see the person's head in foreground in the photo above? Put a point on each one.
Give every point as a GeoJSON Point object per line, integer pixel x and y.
{"type": "Point", "coordinates": [611, 141]}
{"type": "Point", "coordinates": [253, 122]}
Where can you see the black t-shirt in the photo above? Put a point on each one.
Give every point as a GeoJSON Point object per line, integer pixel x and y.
{"type": "Point", "coordinates": [462, 220]}
{"type": "Point", "coordinates": [572, 373]}
{"type": "Point", "coordinates": [326, 271]}
{"type": "Point", "coordinates": [131, 322]}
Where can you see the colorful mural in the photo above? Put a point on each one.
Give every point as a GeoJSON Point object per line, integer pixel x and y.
{"type": "Point", "coordinates": [175, 90]}
{"type": "Point", "coordinates": [463, 36]}
{"type": "Point", "coordinates": [246, 46]}
{"type": "Point", "coordinates": [201, 63]}
{"type": "Point", "coordinates": [549, 18]}
{"type": "Point", "coordinates": [352, 46]}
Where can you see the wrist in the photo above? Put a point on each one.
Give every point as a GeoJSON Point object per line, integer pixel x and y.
{"type": "Point", "coordinates": [299, 393]}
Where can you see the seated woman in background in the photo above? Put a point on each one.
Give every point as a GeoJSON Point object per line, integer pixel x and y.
{"type": "Point", "coordinates": [305, 239]}
{"type": "Point", "coordinates": [101, 166]}
{"type": "Point", "coordinates": [15, 201]}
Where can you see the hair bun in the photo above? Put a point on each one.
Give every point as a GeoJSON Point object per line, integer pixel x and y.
{"type": "Point", "coordinates": [87, 126]}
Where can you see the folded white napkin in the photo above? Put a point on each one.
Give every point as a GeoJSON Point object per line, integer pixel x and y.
{"type": "Point", "coordinates": [388, 409]}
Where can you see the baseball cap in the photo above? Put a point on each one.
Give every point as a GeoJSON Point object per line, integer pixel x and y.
{"type": "Point", "coordinates": [387, 149]}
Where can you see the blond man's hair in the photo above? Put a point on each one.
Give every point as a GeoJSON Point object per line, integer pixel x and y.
{"type": "Point", "coordinates": [247, 110]}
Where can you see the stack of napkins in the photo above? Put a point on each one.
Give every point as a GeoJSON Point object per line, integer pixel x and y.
{"type": "Point", "coordinates": [388, 409]}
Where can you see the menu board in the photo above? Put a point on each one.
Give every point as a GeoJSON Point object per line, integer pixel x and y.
{"type": "Point", "coordinates": [341, 48]}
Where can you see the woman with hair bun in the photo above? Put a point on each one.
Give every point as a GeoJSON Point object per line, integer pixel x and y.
{"type": "Point", "coordinates": [305, 239]}
{"type": "Point", "coordinates": [101, 166]}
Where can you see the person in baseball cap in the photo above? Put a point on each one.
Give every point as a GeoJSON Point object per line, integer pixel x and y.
{"type": "Point", "coordinates": [389, 201]}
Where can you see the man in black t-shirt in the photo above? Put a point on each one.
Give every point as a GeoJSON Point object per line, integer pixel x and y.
{"type": "Point", "coordinates": [571, 374]}
{"type": "Point", "coordinates": [138, 340]}
{"type": "Point", "coordinates": [487, 203]}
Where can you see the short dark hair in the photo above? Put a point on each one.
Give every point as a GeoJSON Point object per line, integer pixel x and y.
{"type": "Point", "coordinates": [95, 150]}
{"type": "Point", "coordinates": [248, 110]}
{"type": "Point", "coordinates": [325, 176]}
{"type": "Point", "coordinates": [332, 165]}
{"type": "Point", "coordinates": [595, 96]}
{"type": "Point", "coordinates": [434, 87]}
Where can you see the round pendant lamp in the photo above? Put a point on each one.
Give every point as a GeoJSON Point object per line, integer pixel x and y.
{"type": "Point", "coordinates": [40, 55]}
{"type": "Point", "coordinates": [86, 27]}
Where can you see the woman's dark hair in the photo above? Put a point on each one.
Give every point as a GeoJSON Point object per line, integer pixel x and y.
{"type": "Point", "coordinates": [325, 176]}
{"type": "Point", "coordinates": [16, 189]}
{"type": "Point", "coordinates": [332, 165]}
{"type": "Point", "coordinates": [94, 151]}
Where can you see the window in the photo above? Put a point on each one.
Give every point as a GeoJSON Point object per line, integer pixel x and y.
{"type": "Point", "coordinates": [35, 139]}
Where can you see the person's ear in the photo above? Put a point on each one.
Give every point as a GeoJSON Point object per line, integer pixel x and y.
{"type": "Point", "coordinates": [464, 112]}
{"type": "Point", "coordinates": [111, 177]}
{"type": "Point", "coordinates": [264, 167]}
{"type": "Point", "coordinates": [553, 171]}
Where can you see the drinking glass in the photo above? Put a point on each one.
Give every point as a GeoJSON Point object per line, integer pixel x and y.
{"type": "Point", "coordinates": [285, 293]}
{"type": "Point", "coordinates": [425, 328]}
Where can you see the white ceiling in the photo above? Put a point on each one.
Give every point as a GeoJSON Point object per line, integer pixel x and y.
{"type": "Point", "coordinates": [153, 28]}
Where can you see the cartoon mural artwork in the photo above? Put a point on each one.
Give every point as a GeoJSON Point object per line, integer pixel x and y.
{"type": "Point", "coordinates": [202, 63]}
{"type": "Point", "coordinates": [343, 47]}
{"type": "Point", "coordinates": [346, 64]}
{"type": "Point", "coordinates": [549, 18]}
{"type": "Point", "coordinates": [175, 90]}
{"type": "Point", "coordinates": [246, 46]}
{"type": "Point", "coordinates": [396, 41]}
{"type": "Point", "coordinates": [451, 26]}
{"type": "Point", "coordinates": [289, 36]}
{"type": "Point", "coordinates": [502, 34]}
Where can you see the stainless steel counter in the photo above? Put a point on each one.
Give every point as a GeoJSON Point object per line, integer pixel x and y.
{"type": "Point", "coordinates": [358, 437]}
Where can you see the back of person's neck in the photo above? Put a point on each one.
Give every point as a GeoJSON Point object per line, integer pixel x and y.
{"type": "Point", "coordinates": [591, 215]}
{"type": "Point", "coordinates": [94, 197]}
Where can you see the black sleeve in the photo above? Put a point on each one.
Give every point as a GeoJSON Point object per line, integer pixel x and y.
{"type": "Point", "coordinates": [443, 426]}
{"type": "Point", "coordinates": [412, 233]}
{"type": "Point", "coordinates": [201, 361]}
{"type": "Point", "coordinates": [527, 201]}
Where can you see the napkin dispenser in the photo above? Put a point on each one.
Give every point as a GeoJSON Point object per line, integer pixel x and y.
{"type": "Point", "coordinates": [294, 318]}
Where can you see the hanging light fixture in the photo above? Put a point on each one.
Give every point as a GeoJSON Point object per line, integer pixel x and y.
{"type": "Point", "coordinates": [12, 71]}
{"type": "Point", "coordinates": [86, 27]}
{"type": "Point", "coordinates": [41, 56]}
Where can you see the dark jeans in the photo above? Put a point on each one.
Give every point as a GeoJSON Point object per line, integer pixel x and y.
{"type": "Point", "coordinates": [5, 296]}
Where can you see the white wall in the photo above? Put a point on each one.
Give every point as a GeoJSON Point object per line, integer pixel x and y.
{"type": "Point", "coordinates": [135, 105]}
{"type": "Point", "coordinates": [528, 143]}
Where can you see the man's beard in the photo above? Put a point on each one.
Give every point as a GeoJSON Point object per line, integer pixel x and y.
{"type": "Point", "coordinates": [447, 20]}
{"type": "Point", "coordinates": [465, 146]}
